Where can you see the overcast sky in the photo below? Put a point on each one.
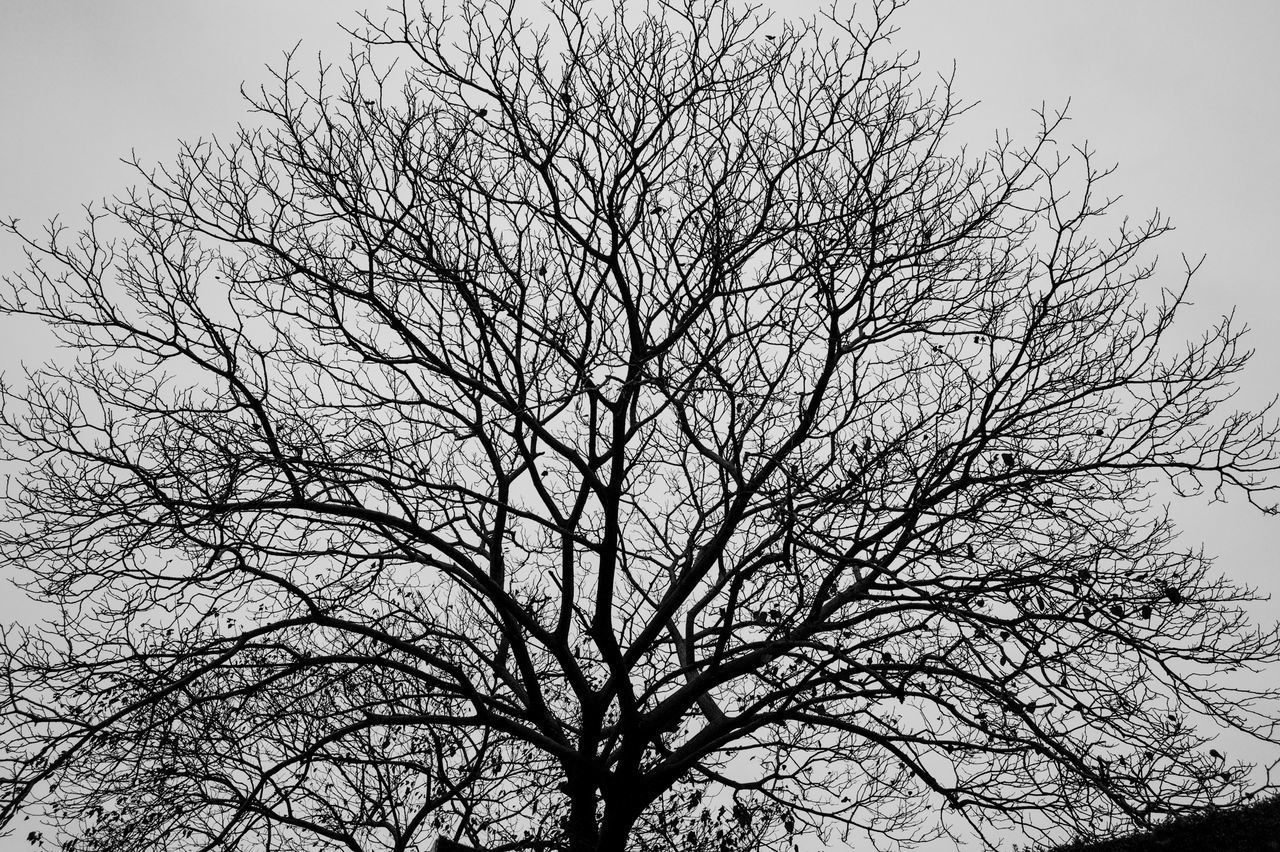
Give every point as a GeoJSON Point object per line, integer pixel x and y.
{"type": "Point", "coordinates": [1182, 94]}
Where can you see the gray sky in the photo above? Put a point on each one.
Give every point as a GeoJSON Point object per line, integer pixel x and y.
{"type": "Point", "coordinates": [1182, 94]}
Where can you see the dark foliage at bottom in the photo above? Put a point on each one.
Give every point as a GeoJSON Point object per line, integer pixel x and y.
{"type": "Point", "coordinates": [1252, 828]}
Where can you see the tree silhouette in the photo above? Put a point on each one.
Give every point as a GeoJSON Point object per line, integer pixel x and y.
{"type": "Point", "coordinates": [646, 433]}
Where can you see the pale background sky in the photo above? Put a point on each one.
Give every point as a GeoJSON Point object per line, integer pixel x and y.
{"type": "Point", "coordinates": [1183, 94]}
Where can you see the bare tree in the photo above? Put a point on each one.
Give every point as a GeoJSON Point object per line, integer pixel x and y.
{"type": "Point", "coordinates": [646, 433]}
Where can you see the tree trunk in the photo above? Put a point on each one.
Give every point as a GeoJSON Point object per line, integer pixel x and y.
{"type": "Point", "coordinates": [608, 835]}
{"type": "Point", "coordinates": [613, 834]}
{"type": "Point", "coordinates": [584, 833]}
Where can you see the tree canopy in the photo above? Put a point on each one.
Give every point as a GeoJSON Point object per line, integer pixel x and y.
{"type": "Point", "coordinates": [645, 431]}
